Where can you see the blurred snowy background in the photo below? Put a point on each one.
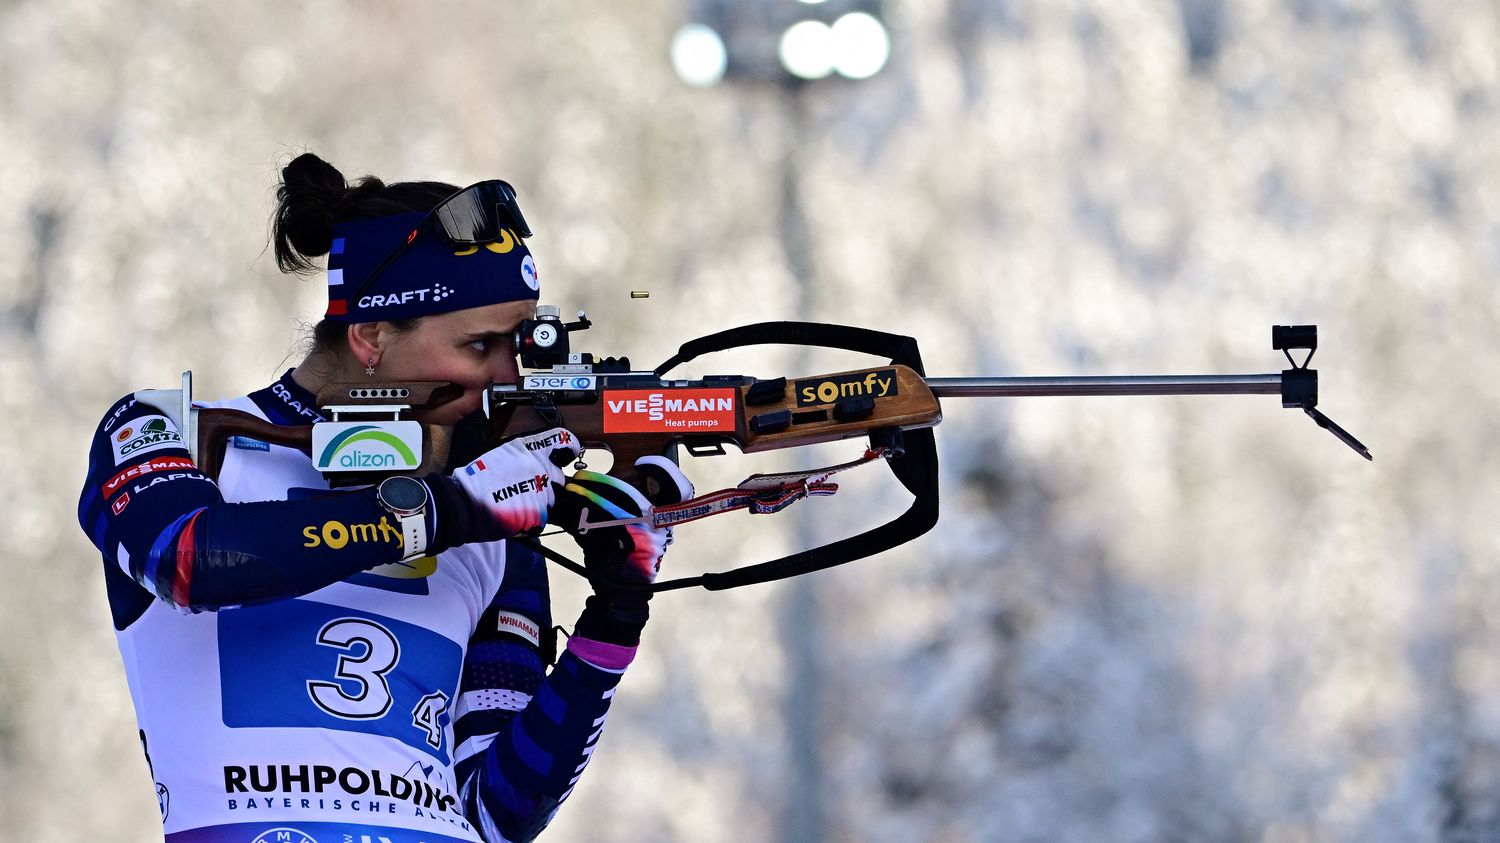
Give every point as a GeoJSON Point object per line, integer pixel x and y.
{"type": "Point", "coordinates": [1152, 619]}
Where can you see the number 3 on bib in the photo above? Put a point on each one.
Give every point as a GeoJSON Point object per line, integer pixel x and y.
{"type": "Point", "coordinates": [370, 651]}
{"type": "Point", "coordinates": [366, 671]}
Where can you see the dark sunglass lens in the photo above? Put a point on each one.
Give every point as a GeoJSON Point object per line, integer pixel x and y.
{"type": "Point", "coordinates": [509, 206]}
{"type": "Point", "coordinates": [465, 220]}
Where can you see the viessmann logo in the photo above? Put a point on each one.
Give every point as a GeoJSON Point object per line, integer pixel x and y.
{"type": "Point", "coordinates": [677, 410]}
{"type": "Point", "coordinates": [367, 446]}
{"type": "Point", "coordinates": [148, 467]}
{"type": "Point", "coordinates": [834, 388]}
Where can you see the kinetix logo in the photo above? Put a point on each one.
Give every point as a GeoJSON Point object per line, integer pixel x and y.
{"type": "Point", "coordinates": [535, 484]}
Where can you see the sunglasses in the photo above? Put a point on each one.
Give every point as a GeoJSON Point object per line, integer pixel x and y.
{"type": "Point", "coordinates": [476, 214]}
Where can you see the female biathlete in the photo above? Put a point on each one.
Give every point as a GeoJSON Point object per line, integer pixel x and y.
{"type": "Point", "coordinates": [371, 665]}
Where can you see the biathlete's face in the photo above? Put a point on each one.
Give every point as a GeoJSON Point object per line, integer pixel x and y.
{"type": "Point", "coordinates": [471, 348]}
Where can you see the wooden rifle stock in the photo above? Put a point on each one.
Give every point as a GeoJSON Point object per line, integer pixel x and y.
{"type": "Point", "coordinates": [216, 427]}
{"type": "Point", "coordinates": [766, 415]}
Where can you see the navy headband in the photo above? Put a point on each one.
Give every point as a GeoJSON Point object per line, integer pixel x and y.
{"type": "Point", "coordinates": [431, 276]}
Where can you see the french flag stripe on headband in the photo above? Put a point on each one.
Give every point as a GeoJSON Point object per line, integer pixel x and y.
{"type": "Point", "coordinates": [338, 246]}
{"type": "Point", "coordinates": [335, 277]}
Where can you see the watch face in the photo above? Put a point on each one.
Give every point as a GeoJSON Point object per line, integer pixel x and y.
{"type": "Point", "coordinates": [403, 494]}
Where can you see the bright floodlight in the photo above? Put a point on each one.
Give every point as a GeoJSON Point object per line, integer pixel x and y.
{"type": "Point", "coordinates": [807, 49]}
{"type": "Point", "coordinates": [698, 55]}
{"type": "Point", "coordinates": [860, 45]}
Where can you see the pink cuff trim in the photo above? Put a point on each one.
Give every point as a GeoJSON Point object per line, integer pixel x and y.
{"type": "Point", "coordinates": [601, 655]}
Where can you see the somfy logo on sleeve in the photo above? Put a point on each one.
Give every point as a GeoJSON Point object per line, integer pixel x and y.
{"type": "Point", "coordinates": [367, 446]}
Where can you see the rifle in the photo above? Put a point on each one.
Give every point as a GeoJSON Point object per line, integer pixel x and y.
{"type": "Point", "coordinates": [606, 404]}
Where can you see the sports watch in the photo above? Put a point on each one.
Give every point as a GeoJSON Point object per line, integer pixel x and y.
{"type": "Point", "coordinates": [406, 498]}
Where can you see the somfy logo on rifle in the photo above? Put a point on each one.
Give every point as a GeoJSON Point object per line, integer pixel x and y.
{"type": "Point", "coordinates": [828, 390]}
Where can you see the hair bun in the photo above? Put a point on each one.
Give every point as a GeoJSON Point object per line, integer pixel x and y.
{"type": "Point", "coordinates": [314, 196]}
{"type": "Point", "coordinates": [308, 199]}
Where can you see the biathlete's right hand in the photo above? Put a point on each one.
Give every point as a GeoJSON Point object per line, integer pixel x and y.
{"type": "Point", "coordinates": [515, 482]}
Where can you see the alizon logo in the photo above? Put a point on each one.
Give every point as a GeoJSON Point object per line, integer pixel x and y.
{"type": "Point", "coordinates": [367, 446]}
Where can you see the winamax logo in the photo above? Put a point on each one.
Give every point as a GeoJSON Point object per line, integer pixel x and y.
{"type": "Point", "coordinates": [146, 434]}
{"type": "Point", "coordinates": [367, 446]}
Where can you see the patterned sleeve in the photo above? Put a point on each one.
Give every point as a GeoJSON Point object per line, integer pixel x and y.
{"type": "Point", "coordinates": [166, 532]}
{"type": "Point", "coordinates": [524, 735]}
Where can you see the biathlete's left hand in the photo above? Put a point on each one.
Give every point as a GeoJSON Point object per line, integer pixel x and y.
{"type": "Point", "coordinates": [626, 554]}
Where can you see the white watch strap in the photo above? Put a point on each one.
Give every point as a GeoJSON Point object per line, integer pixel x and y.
{"type": "Point", "coordinates": [414, 533]}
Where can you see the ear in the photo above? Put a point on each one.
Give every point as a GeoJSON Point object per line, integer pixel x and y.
{"type": "Point", "coordinates": [365, 340]}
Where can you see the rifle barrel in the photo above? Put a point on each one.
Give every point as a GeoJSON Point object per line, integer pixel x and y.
{"type": "Point", "coordinates": [1107, 385]}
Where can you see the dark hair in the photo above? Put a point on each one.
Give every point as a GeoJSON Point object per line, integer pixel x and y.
{"type": "Point", "coordinates": [313, 196]}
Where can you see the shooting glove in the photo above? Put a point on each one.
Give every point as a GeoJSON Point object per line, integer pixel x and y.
{"type": "Point", "coordinates": [516, 483]}
{"type": "Point", "coordinates": [617, 556]}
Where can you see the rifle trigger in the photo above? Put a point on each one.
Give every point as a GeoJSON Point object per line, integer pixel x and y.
{"type": "Point", "coordinates": [705, 449]}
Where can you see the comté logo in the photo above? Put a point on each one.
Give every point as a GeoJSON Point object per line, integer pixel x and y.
{"type": "Point", "coordinates": [154, 433]}
{"type": "Point", "coordinates": [672, 411]}
{"type": "Point", "coordinates": [833, 388]}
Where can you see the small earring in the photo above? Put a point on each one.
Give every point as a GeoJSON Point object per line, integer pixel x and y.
{"type": "Point", "coordinates": [370, 366]}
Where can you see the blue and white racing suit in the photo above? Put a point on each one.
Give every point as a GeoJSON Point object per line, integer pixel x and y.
{"type": "Point", "coordinates": [294, 681]}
